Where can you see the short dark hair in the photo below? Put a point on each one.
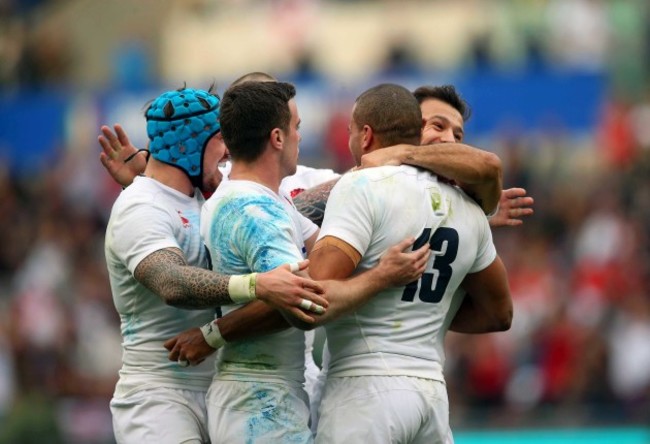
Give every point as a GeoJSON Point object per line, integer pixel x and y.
{"type": "Point", "coordinates": [447, 94]}
{"type": "Point", "coordinates": [392, 112]}
{"type": "Point", "coordinates": [249, 112]}
{"type": "Point", "coordinates": [255, 76]}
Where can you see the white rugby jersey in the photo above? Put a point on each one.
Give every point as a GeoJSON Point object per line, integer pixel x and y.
{"type": "Point", "coordinates": [146, 217]}
{"type": "Point", "coordinates": [247, 227]}
{"type": "Point", "coordinates": [401, 330]}
{"type": "Point", "coordinates": [305, 178]}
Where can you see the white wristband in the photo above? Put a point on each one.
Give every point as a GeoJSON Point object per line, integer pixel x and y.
{"type": "Point", "coordinates": [212, 335]}
{"type": "Point", "coordinates": [241, 288]}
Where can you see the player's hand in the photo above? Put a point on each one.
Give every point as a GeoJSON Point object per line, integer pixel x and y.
{"type": "Point", "coordinates": [386, 156]}
{"type": "Point", "coordinates": [400, 267]}
{"type": "Point", "coordinates": [189, 346]}
{"type": "Point", "coordinates": [513, 205]}
{"type": "Point", "coordinates": [284, 290]}
{"type": "Point", "coordinates": [116, 149]}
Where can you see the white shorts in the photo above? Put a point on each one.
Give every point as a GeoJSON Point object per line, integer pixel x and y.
{"type": "Point", "coordinates": [161, 415]}
{"type": "Point", "coordinates": [257, 412]}
{"type": "Point", "coordinates": [384, 409]}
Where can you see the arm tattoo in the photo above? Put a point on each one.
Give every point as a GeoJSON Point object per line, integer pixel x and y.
{"type": "Point", "coordinates": [166, 273]}
{"type": "Point", "coordinates": [311, 203]}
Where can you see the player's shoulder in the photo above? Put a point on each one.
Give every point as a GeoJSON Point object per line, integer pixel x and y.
{"type": "Point", "coordinates": [373, 173]}
{"type": "Point", "coordinates": [238, 189]}
{"type": "Point", "coordinates": [307, 177]}
{"type": "Point", "coordinates": [142, 191]}
{"type": "Point", "coordinates": [461, 201]}
{"type": "Point", "coordinates": [388, 176]}
{"type": "Point", "coordinates": [142, 203]}
{"type": "Point", "coordinates": [243, 196]}
{"type": "Point", "coordinates": [303, 171]}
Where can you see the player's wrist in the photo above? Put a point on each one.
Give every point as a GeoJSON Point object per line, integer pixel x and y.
{"type": "Point", "coordinates": [212, 335]}
{"type": "Point", "coordinates": [241, 288]}
{"type": "Point", "coordinates": [379, 277]}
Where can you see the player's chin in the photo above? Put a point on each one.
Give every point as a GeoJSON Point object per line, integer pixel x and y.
{"type": "Point", "coordinates": [292, 169]}
{"type": "Point", "coordinates": [211, 182]}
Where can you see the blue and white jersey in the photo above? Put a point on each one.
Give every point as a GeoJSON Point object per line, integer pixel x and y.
{"type": "Point", "coordinates": [149, 216]}
{"type": "Point", "coordinates": [400, 331]}
{"type": "Point", "coordinates": [304, 179]}
{"type": "Point", "coordinates": [249, 228]}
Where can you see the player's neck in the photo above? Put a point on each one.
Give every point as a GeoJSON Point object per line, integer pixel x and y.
{"type": "Point", "coordinates": [263, 176]}
{"type": "Point", "coordinates": [168, 175]}
{"type": "Point", "coordinates": [265, 170]}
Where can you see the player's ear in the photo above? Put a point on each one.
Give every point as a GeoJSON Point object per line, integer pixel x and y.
{"type": "Point", "coordinates": [277, 138]}
{"type": "Point", "coordinates": [367, 138]}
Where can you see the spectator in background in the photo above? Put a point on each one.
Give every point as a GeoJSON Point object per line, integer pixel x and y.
{"type": "Point", "coordinates": [579, 33]}
{"type": "Point", "coordinates": [336, 138]}
{"type": "Point", "coordinates": [618, 140]}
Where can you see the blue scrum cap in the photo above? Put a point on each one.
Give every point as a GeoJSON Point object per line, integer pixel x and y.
{"type": "Point", "coordinates": [179, 125]}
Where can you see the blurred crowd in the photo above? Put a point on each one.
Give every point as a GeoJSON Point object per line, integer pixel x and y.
{"type": "Point", "coordinates": [579, 348]}
{"type": "Point", "coordinates": [578, 352]}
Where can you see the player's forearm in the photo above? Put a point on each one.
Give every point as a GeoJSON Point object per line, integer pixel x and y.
{"type": "Point", "coordinates": [252, 320]}
{"type": "Point", "coordinates": [349, 295]}
{"type": "Point", "coordinates": [166, 273]}
{"type": "Point", "coordinates": [487, 306]}
{"type": "Point", "coordinates": [195, 289]}
{"type": "Point", "coordinates": [477, 171]}
{"type": "Point", "coordinates": [471, 319]}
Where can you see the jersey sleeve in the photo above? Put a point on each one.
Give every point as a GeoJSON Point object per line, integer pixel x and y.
{"type": "Point", "coordinates": [307, 227]}
{"type": "Point", "coordinates": [350, 216]}
{"type": "Point", "coordinates": [265, 235]}
{"type": "Point", "coordinates": [139, 229]}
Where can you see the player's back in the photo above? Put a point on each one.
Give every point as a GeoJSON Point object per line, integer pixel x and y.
{"type": "Point", "coordinates": [400, 331]}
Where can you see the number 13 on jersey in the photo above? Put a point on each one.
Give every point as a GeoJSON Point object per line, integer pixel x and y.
{"type": "Point", "coordinates": [432, 285]}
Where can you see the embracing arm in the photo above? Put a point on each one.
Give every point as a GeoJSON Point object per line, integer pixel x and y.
{"type": "Point", "coordinates": [332, 267]}
{"type": "Point", "coordinates": [255, 318]}
{"type": "Point", "coordinates": [487, 306]}
{"type": "Point", "coordinates": [166, 273]}
{"type": "Point", "coordinates": [477, 172]}
{"type": "Point", "coordinates": [251, 320]}
{"type": "Point", "coordinates": [311, 203]}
